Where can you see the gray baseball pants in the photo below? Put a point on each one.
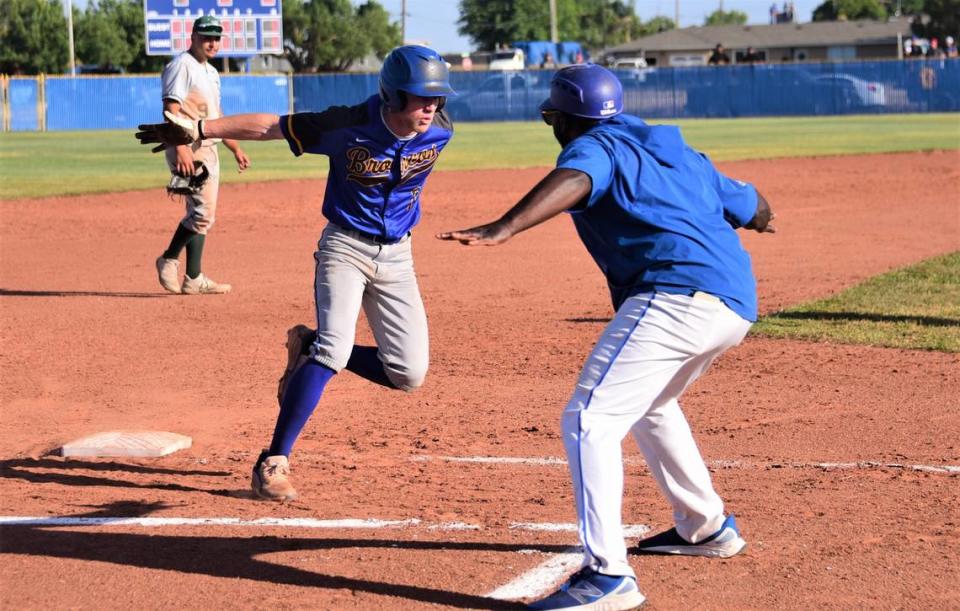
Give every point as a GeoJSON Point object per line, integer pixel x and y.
{"type": "Point", "coordinates": [354, 271]}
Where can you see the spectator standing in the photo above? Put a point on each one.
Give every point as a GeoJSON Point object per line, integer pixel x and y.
{"type": "Point", "coordinates": [950, 47]}
{"type": "Point", "coordinates": [934, 51]}
{"type": "Point", "coordinates": [548, 63]}
{"type": "Point", "coordinates": [719, 56]}
{"type": "Point", "coordinates": [752, 57]}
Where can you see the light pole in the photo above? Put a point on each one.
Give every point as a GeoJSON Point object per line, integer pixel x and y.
{"type": "Point", "coordinates": [73, 64]}
{"type": "Point", "coordinates": [554, 37]}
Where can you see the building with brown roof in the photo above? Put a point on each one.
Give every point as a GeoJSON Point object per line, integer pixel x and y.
{"type": "Point", "coordinates": [816, 41]}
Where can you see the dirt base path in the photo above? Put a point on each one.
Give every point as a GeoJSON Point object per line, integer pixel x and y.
{"type": "Point", "coordinates": [836, 459]}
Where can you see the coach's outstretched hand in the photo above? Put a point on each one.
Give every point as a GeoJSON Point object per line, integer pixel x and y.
{"type": "Point", "coordinates": [176, 131]}
{"type": "Point", "coordinates": [490, 234]}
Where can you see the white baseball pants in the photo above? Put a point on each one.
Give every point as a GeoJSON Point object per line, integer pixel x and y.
{"type": "Point", "coordinates": [656, 345]}
{"type": "Point", "coordinates": [354, 272]}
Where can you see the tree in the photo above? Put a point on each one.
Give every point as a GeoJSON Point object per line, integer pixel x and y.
{"type": "Point", "coordinates": [719, 17]}
{"type": "Point", "coordinates": [33, 37]}
{"type": "Point", "coordinates": [842, 10]}
{"type": "Point", "coordinates": [942, 19]}
{"type": "Point", "coordinates": [607, 24]}
{"type": "Point", "coordinates": [329, 35]}
{"type": "Point", "coordinates": [906, 7]}
{"type": "Point", "coordinates": [656, 25]}
{"type": "Point", "coordinates": [593, 23]}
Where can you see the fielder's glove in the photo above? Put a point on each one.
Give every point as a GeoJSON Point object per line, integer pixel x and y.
{"type": "Point", "coordinates": [189, 185]}
{"type": "Point", "coordinates": [178, 130]}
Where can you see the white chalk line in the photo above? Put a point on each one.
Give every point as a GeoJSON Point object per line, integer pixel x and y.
{"type": "Point", "coordinates": [541, 578]}
{"type": "Point", "coordinates": [719, 464]}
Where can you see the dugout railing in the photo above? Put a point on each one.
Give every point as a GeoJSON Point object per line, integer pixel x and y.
{"type": "Point", "coordinates": [802, 89]}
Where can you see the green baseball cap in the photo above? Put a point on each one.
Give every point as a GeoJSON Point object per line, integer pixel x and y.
{"type": "Point", "coordinates": [208, 25]}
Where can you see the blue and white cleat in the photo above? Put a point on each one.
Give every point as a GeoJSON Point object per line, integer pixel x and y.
{"type": "Point", "coordinates": [588, 589]}
{"type": "Point", "coordinates": [724, 543]}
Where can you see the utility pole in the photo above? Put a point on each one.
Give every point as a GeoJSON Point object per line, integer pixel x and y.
{"type": "Point", "coordinates": [403, 22]}
{"type": "Point", "coordinates": [554, 37]}
{"type": "Point", "coordinates": [73, 62]}
{"type": "Point", "coordinates": [676, 14]}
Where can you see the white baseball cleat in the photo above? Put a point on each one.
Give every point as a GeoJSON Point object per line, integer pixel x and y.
{"type": "Point", "coordinates": [202, 285]}
{"type": "Point", "coordinates": [168, 271]}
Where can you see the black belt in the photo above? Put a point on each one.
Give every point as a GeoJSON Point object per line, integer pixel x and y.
{"type": "Point", "coordinates": [379, 239]}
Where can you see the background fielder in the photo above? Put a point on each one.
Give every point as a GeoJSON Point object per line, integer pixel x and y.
{"type": "Point", "coordinates": [381, 152]}
{"type": "Point", "coordinates": [660, 222]}
{"type": "Point", "coordinates": [191, 89]}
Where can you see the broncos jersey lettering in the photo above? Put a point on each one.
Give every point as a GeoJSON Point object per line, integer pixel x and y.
{"type": "Point", "coordinates": [375, 178]}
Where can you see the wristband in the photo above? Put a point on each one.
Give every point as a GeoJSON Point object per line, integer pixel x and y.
{"type": "Point", "coordinates": [200, 135]}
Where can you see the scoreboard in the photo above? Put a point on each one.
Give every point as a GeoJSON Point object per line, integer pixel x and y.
{"type": "Point", "coordinates": [250, 27]}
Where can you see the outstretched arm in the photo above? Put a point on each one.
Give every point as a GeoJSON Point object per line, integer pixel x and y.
{"type": "Point", "coordinates": [251, 126]}
{"type": "Point", "coordinates": [559, 191]}
{"type": "Point", "coordinates": [179, 130]}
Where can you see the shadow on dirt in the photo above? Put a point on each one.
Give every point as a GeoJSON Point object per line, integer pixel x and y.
{"type": "Point", "coordinates": [239, 557]}
{"type": "Point", "coordinates": [18, 293]}
{"type": "Point", "coordinates": [25, 469]}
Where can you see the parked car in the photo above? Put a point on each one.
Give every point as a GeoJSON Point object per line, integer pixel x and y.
{"type": "Point", "coordinates": [852, 91]}
{"type": "Point", "coordinates": [503, 96]}
{"type": "Point", "coordinates": [628, 62]}
{"type": "Point", "coordinates": [760, 90]}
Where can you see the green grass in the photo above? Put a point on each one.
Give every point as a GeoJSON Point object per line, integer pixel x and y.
{"type": "Point", "coordinates": [917, 307]}
{"type": "Point", "coordinates": [34, 164]}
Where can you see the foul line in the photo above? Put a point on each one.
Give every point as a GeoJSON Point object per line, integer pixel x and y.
{"type": "Point", "coordinates": [632, 530]}
{"type": "Point", "coordinates": [719, 464]}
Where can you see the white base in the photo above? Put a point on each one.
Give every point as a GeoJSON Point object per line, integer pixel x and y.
{"type": "Point", "coordinates": [127, 443]}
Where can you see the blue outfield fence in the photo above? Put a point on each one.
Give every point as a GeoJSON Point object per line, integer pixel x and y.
{"type": "Point", "coordinates": [730, 91]}
{"type": "Point", "coordinates": [98, 102]}
{"type": "Point", "coordinates": [123, 102]}
{"type": "Point", "coordinates": [24, 100]}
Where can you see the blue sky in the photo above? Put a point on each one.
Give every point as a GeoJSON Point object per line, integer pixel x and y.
{"type": "Point", "coordinates": [434, 22]}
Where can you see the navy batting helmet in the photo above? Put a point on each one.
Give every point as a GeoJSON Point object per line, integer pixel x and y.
{"type": "Point", "coordinates": [585, 90]}
{"type": "Point", "coordinates": [413, 69]}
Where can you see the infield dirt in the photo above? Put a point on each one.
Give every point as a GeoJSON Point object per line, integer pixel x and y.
{"type": "Point", "coordinates": [91, 343]}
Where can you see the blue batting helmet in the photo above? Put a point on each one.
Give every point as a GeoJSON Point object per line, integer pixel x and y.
{"type": "Point", "coordinates": [413, 69]}
{"type": "Point", "coordinates": [585, 90]}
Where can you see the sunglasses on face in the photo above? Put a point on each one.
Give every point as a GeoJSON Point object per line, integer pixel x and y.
{"type": "Point", "coordinates": [549, 116]}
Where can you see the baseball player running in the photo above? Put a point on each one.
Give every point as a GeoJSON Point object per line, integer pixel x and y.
{"type": "Point", "coordinates": [381, 152]}
{"type": "Point", "coordinates": [191, 89]}
{"type": "Point", "coordinates": [660, 222]}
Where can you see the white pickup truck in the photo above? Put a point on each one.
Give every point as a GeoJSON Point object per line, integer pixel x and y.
{"type": "Point", "coordinates": [507, 59]}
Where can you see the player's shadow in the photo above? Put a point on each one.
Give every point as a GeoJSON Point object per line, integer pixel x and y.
{"type": "Point", "coordinates": [20, 293]}
{"type": "Point", "coordinates": [232, 557]}
{"type": "Point", "coordinates": [57, 472]}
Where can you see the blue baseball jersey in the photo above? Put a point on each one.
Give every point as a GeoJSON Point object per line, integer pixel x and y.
{"type": "Point", "coordinates": [660, 217]}
{"type": "Point", "coordinates": [375, 178]}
